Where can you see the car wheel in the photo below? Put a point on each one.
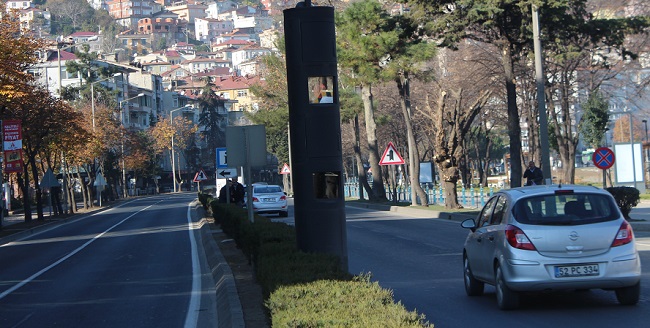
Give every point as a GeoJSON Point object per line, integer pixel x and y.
{"type": "Point", "coordinates": [629, 295]}
{"type": "Point", "coordinates": [507, 299]}
{"type": "Point", "coordinates": [473, 287]}
{"type": "Point", "coordinates": [284, 214]}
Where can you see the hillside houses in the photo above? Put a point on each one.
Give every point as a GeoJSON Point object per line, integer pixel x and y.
{"type": "Point", "coordinates": [165, 56]}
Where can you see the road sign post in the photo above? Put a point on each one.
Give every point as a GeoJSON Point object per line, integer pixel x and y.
{"type": "Point", "coordinates": [603, 159]}
{"type": "Point", "coordinates": [392, 157]}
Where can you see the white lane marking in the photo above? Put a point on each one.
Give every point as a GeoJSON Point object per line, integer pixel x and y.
{"type": "Point", "coordinates": [66, 223]}
{"type": "Point", "coordinates": [192, 318]}
{"type": "Point", "coordinates": [37, 274]}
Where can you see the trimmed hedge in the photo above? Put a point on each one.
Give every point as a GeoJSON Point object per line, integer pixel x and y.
{"type": "Point", "coordinates": [308, 289]}
{"type": "Point", "coordinates": [332, 303]}
{"type": "Point", "coordinates": [626, 198]}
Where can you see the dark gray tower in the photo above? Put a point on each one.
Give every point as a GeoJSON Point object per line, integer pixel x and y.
{"type": "Point", "coordinates": [314, 121]}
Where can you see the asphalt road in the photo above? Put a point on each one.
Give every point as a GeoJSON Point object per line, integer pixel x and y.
{"type": "Point", "coordinates": [134, 265]}
{"type": "Point", "coordinates": [420, 260]}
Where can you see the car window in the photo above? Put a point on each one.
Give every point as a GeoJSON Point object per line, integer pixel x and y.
{"type": "Point", "coordinates": [266, 189]}
{"type": "Point", "coordinates": [570, 209]}
{"type": "Point", "coordinates": [500, 209]}
{"type": "Point", "coordinates": [486, 213]}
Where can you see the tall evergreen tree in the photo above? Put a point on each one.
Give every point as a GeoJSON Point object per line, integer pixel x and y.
{"type": "Point", "coordinates": [213, 117]}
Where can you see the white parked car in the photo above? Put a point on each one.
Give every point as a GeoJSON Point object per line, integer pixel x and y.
{"type": "Point", "coordinates": [546, 238]}
{"type": "Point", "coordinates": [269, 199]}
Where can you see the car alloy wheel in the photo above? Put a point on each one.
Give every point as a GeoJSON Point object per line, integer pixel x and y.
{"type": "Point", "coordinates": [507, 299]}
{"type": "Point", "coordinates": [473, 287]}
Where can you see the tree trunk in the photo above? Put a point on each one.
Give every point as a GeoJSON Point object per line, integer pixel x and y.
{"type": "Point", "coordinates": [413, 155]}
{"type": "Point", "coordinates": [83, 189]}
{"type": "Point", "coordinates": [26, 199]}
{"type": "Point", "coordinates": [378, 190]}
{"type": "Point", "coordinates": [89, 187]}
{"type": "Point", "coordinates": [363, 177]}
{"type": "Point", "coordinates": [37, 188]}
{"type": "Point", "coordinates": [451, 195]}
{"type": "Point", "coordinates": [514, 130]}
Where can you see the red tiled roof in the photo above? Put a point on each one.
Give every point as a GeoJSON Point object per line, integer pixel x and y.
{"type": "Point", "coordinates": [235, 82]}
{"type": "Point", "coordinates": [64, 56]}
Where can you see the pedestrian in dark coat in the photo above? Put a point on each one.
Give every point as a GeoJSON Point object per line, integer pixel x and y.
{"type": "Point", "coordinates": [533, 175]}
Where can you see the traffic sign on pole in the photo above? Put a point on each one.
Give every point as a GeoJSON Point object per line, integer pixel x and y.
{"type": "Point", "coordinates": [200, 176]}
{"type": "Point", "coordinates": [391, 156]}
{"type": "Point", "coordinates": [227, 173]}
{"type": "Point", "coordinates": [222, 161]}
{"type": "Point", "coordinates": [603, 158]}
{"type": "Point", "coordinates": [285, 169]}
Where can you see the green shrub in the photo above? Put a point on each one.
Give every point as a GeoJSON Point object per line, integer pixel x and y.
{"type": "Point", "coordinates": [626, 198]}
{"type": "Point", "coordinates": [330, 303]}
{"type": "Point", "coordinates": [205, 199]}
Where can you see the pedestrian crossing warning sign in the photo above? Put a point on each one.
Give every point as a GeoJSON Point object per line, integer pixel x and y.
{"type": "Point", "coordinates": [285, 169]}
{"type": "Point", "coordinates": [391, 156]}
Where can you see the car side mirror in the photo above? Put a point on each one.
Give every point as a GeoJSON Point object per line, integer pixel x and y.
{"type": "Point", "coordinates": [469, 224]}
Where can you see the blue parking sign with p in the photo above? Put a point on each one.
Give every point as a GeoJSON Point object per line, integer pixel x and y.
{"type": "Point", "coordinates": [221, 158]}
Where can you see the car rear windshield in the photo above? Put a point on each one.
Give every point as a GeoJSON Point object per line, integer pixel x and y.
{"type": "Point", "coordinates": [267, 189]}
{"type": "Point", "coordinates": [570, 209]}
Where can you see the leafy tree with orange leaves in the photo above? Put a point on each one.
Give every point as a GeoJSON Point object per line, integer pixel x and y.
{"type": "Point", "coordinates": [47, 123]}
{"type": "Point", "coordinates": [17, 53]}
{"type": "Point", "coordinates": [183, 130]}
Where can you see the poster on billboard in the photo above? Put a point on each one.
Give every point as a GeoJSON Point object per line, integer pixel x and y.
{"type": "Point", "coordinates": [12, 137]}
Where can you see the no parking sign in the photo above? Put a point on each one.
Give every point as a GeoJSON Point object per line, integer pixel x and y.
{"type": "Point", "coordinates": [603, 158]}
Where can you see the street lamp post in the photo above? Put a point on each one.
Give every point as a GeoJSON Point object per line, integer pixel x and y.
{"type": "Point", "coordinates": [171, 122]}
{"type": "Point", "coordinates": [122, 123]}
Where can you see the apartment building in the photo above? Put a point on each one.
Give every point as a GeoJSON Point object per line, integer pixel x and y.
{"type": "Point", "coordinates": [207, 29]}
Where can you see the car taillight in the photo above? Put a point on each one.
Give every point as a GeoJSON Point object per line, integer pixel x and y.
{"type": "Point", "coordinates": [518, 239]}
{"type": "Point", "coordinates": [283, 197]}
{"type": "Point", "coordinates": [255, 199]}
{"type": "Point", "coordinates": [624, 235]}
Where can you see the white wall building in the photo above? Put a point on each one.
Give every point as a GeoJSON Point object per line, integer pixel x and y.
{"type": "Point", "coordinates": [207, 29]}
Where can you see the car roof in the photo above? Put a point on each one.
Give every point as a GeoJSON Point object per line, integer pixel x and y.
{"type": "Point", "coordinates": [521, 192]}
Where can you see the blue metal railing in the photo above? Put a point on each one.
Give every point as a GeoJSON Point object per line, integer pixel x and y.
{"type": "Point", "coordinates": [474, 197]}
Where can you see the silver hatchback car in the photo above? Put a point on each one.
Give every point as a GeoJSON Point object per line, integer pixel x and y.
{"type": "Point", "coordinates": [546, 238]}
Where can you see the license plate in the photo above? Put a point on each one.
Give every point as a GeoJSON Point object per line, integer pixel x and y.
{"type": "Point", "coordinates": [576, 270]}
{"type": "Point", "coordinates": [268, 200]}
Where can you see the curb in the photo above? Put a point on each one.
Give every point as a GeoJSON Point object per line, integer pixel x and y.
{"type": "Point", "coordinates": [229, 308]}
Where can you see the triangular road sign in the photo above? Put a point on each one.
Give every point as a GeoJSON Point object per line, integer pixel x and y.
{"type": "Point", "coordinates": [200, 176]}
{"type": "Point", "coordinates": [285, 169]}
{"type": "Point", "coordinates": [391, 156]}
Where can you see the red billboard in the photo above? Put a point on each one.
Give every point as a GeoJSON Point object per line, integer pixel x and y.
{"type": "Point", "coordinates": [12, 137]}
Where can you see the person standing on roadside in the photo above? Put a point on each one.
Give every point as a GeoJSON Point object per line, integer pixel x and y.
{"type": "Point", "coordinates": [533, 175]}
{"type": "Point", "coordinates": [237, 192]}
{"type": "Point", "coordinates": [223, 197]}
